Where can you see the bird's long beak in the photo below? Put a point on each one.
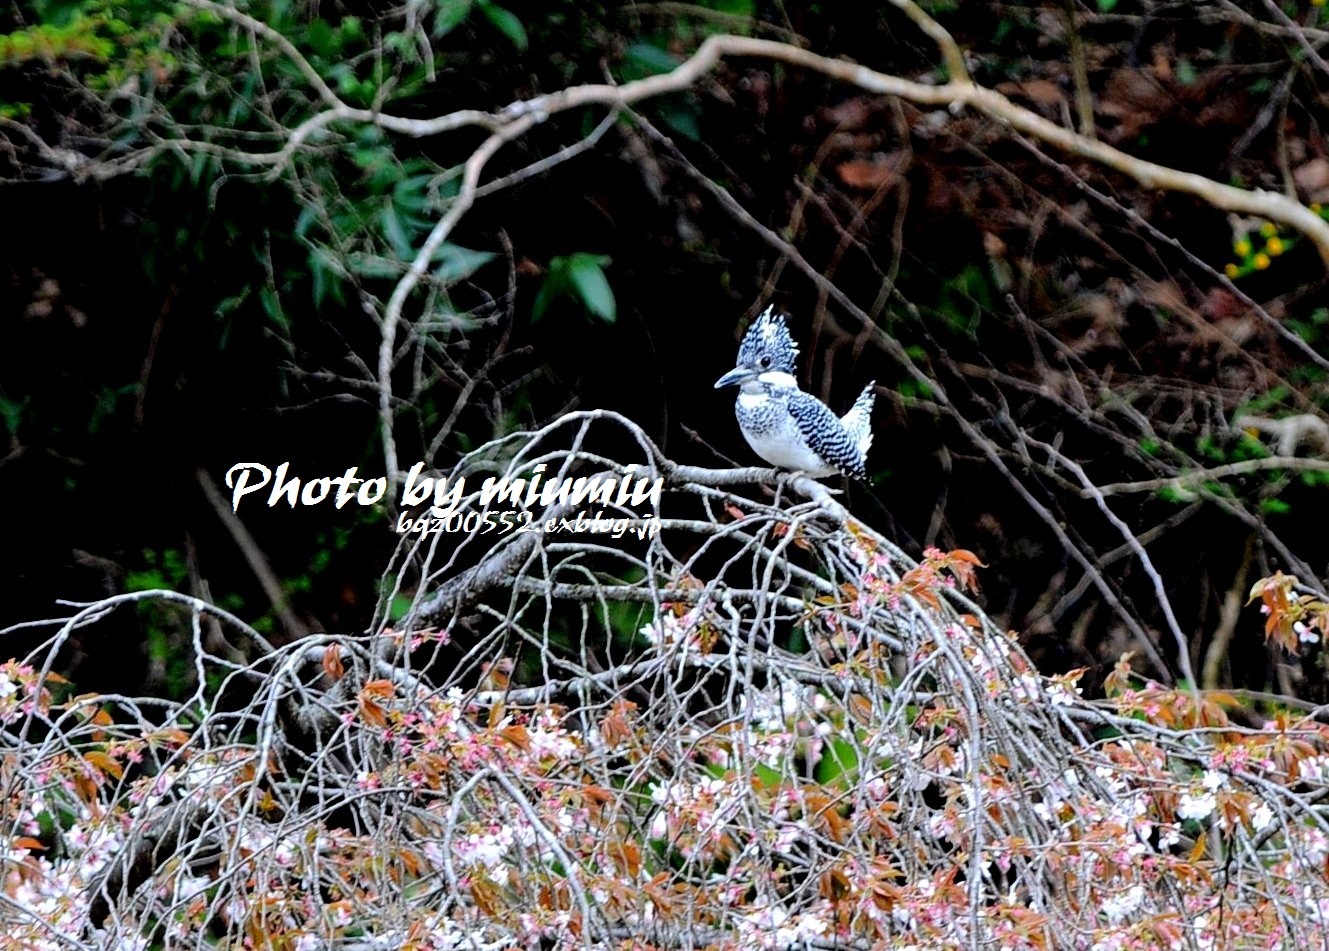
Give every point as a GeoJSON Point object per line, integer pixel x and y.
{"type": "Point", "coordinates": [736, 375]}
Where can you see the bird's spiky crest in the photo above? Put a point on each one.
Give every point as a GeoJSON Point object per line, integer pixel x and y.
{"type": "Point", "coordinates": [768, 337]}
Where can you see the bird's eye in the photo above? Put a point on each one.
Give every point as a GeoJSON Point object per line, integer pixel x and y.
{"type": "Point", "coordinates": [765, 362]}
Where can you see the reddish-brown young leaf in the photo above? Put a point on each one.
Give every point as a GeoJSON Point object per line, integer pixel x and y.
{"type": "Point", "coordinates": [517, 735]}
{"type": "Point", "coordinates": [962, 563]}
{"type": "Point", "coordinates": [616, 727]}
{"type": "Point", "coordinates": [371, 711]}
{"type": "Point", "coordinates": [104, 762]}
{"type": "Point", "coordinates": [626, 856]}
{"type": "Point", "coordinates": [1197, 853]}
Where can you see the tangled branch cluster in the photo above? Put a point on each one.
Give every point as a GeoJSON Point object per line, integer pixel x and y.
{"type": "Point", "coordinates": [763, 726]}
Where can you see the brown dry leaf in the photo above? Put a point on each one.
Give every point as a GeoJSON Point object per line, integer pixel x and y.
{"type": "Point", "coordinates": [172, 736]}
{"type": "Point", "coordinates": [993, 246]}
{"type": "Point", "coordinates": [497, 675]}
{"type": "Point", "coordinates": [1136, 100]}
{"type": "Point", "coordinates": [332, 665]}
{"type": "Point", "coordinates": [1312, 178]}
{"type": "Point", "coordinates": [1041, 92]}
{"type": "Point", "coordinates": [853, 113]}
{"type": "Point", "coordinates": [872, 173]}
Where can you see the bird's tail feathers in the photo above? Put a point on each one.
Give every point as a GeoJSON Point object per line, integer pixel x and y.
{"type": "Point", "coordinates": [858, 421]}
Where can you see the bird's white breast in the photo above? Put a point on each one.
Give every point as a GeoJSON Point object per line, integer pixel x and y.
{"type": "Point", "coordinates": [787, 450]}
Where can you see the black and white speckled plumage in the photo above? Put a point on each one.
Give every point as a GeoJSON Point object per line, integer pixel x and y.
{"type": "Point", "coordinates": [784, 425]}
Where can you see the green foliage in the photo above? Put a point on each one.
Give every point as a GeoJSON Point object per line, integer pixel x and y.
{"type": "Point", "coordinates": [647, 59]}
{"type": "Point", "coordinates": [505, 22]}
{"type": "Point", "coordinates": [581, 276]}
{"type": "Point", "coordinates": [104, 42]}
{"type": "Point", "coordinates": [1274, 507]}
{"type": "Point", "coordinates": [11, 414]}
{"type": "Point", "coordinates": [1312, 328]}
{"type": "Point", "coordinates": [51, 43]}
{"type": "Point", "coordinates": [164, 571]}
{"type": "Point", "coordinates": [165, 631]}
{"type": "Point", "coordinates": [838, 765]}
{"type": "Point", "coordinates": [625, 620]}
{"type": "Point", "coordinates": [964, 298]}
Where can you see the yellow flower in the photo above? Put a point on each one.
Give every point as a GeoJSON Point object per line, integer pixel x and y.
{"type": "Point", "coordinates": [1275, 246]}
{"type": "Point", "coordinates": [1268, 230]}
{"type": "Point", "coordinates": [1231, 270]}
{"type": "Point", "coordinates": [1261, 261]}
{"type": "Point", "coordinates": [1242, 247]}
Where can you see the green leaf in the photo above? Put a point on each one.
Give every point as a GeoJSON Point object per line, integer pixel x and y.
{"type": "Point", "coordinates": [412, 193]}
{"type": "Point", "coordinates": [650, 58]}
{"type": "Point", "coordinates": [682, 119]}
{"type": "Point", "coordinates": [506, 23]}
{"type": "Point", "coordinates": [1274, 507]}
{"type": "Point", "coordinates": [1176, 493]}
{"type": "Point", "coordinates": [767, 777]}
{"type": "Point", "coordinates": [308, 216]}
{"type": "Point", "coordinates": [398, 608]}
{"type": "Point", "coordinates": [321, 39]}
{"type": "Point", "coordinates": [373, 265]}
{"type": "Point", "coordinates": [267, 295]}
{"type": "Point", "coordinates": [457, 263]}
{"type": "Point", "coordinates": [327, 271]}
{"type": "Point", "coordinates": [395, 231]}
{"type": "Point", "coordinates": [580, 275]}
{"type": "Point", "coordinates": [11, 411]}
{"type": "Point", "coordinates": [588, 279]}
{"type": "Point", "coordinates": [450, 15]}
{"type": "Point", "coordinates": [540, 304]}
{"type": "Point", "coordinates": [838, 764]}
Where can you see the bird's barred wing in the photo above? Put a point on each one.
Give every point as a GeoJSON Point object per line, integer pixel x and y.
{"type": "Point", "coordinates": [825, 434]}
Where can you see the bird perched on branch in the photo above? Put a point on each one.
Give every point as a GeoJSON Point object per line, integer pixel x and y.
{"type": "Point", "coordinates": [784, 425]}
